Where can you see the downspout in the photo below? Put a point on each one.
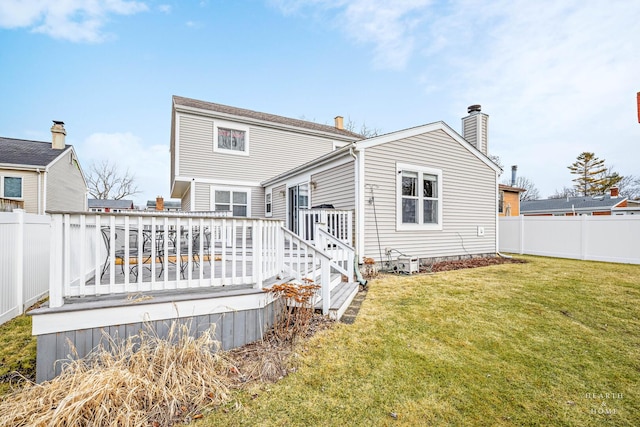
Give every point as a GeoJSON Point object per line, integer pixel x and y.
{"type": "Point", "coordinates": [44, 191]}
{"type": "Point", "coordinates": [356, 266]}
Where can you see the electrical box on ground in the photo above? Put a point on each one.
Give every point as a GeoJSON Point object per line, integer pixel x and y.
{"type": "Point", "coordinates": [407, 265]}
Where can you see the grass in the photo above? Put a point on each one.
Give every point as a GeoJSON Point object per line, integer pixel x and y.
{"type": "Point", "coordinates": [17, 352]}
{"type": "Point", "coordinates": [517, 344]}
{"type": "Point", "coordinates": [550, 342]}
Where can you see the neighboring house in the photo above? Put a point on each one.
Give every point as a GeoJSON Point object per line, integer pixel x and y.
{"type": "Point", "coordinates": [159, 204]}
{"type": "Point", "coordinates": [509, 200]}
{"type": "Point", "coordinates": [42, 176]}
{"type": "Point", "coordinates": [424, 192]}
{"type": "Point", "coordinates": [610, 204]}
{"type": "Point", "coordinates": [109, 205]}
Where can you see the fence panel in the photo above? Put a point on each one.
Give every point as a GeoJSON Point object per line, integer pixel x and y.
{"type": "Point", "coordinates": [596, 238]}
{"type": "Point", "coordinates": [24, 266]}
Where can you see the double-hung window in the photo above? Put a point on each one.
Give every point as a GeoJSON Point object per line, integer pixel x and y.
{"type": "Point", "coordinates": [236, 201]}
{"type": "Point", "coordinates": [419, 198]}
{"type": "Point", "coordinates": [11, 187]}
{"type": "Point", "coordinates": [230, 138]}
{"type": "Point", "coordinates": [267, 204]}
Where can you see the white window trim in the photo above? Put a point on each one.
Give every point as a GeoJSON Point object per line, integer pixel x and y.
{"type": "Point", "coordinates": [212, 196]}
{"type": "Point", "coordinates": [2, 177]}
{"type": "Point", "coordinates": [234, 126]}
{"type": "Point", "coordinates": [270, 194]}
{"type": "Point", "coordinates": [400, 226]}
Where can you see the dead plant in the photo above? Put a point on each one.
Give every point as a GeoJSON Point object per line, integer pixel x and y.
{"type": "Point", "coordinates": [295, 310]}
{"type": "Point", "coordinates": [143, 381]}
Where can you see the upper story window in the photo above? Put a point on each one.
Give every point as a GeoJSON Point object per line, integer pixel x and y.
{"type": "Point", "coordinates": [11, 187]}
{"type": "Point", "coordinates": [419, 198]}
{"type": "Point", "coordinates": [231, 138]}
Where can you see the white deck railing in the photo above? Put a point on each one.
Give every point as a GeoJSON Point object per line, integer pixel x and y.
{"type": "Point", "coordinates": [338, 223]}
{"type": "Point", "coordinates": [96, 254]}
{"type": "Point", "coordinates": [342, 255]}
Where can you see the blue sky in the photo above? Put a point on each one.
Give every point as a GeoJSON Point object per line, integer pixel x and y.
{"type": "Point", "coordinates": [556, 78]}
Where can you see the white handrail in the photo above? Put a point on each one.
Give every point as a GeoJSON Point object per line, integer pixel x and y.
{"type": "Point", "coordinates": [339, 223]}
{"type": "Point", "coordinates": [342, 255]}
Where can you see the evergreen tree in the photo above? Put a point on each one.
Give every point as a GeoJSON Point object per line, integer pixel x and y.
{"type": "Point", "coordinates": [590, 172]}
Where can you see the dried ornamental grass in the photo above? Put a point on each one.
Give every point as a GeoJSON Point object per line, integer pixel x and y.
{"type": "Point", "coordinates": [145, 381]}
{"type": "Point", "coordinates": [294, 318]}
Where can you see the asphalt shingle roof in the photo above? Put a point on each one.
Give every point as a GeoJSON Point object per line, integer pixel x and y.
{"type": "Point", "coordinates": [226, 109]}
{"type": "Point", "coordinates": [568, 204]}
{"type": "Point", "coordinates": [26, 152]}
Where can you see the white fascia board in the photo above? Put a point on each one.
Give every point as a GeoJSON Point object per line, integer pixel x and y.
{"type": "Point", "coordinates": [62, 321]}
{"type": "Point", "coordinates": [431, 127]}
{"type": "Point", "coordinates": [264, 123]}
{"type": "Point", "coordinates": [215, 181]}
{"type": "Point", "coordinates": [13, 166]}
{"type": "Point", "coordinates": [313, 165]}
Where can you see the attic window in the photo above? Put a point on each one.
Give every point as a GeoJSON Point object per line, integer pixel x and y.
{"type": "Point", "coordinates": [231, 138]}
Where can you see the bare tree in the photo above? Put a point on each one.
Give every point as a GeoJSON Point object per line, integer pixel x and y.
{"type": "Point", "coordinates": [532, 192]}
{"type": "Point", "coordinates": [629, 187]}
{"type": "Point", "coordinates": [564, 193]}
{"type": "Point", "coordinates": [106, 181]}
{"type": "Point", "coordinates": [365, 131]}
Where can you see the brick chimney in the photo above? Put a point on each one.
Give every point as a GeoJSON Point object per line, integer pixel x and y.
{"type": "Point", "coordinates": [614, 192]}
{"type": "Point", "coordinates": [58, 134]}
{"type": "Point", "coordinates": [159, 203]}
{"type": "Point", "coordinates": [339, 122]}
{"type": "Point", "coordinates": [475, 128]}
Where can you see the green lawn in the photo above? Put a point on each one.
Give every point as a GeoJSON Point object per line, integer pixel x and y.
{"type": "Point", "coordinates": [540, 343]}
{"type": "Point", "coordinates": [551, 342]}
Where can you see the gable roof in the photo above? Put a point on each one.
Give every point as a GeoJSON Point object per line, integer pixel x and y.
{"type": "Point", "coordinates": [110, 203]}
{"type": "Point", "coordinates": [263, 117]}
{"type": "Point", "coordinates": [430, 127]}
{"type": "Point", "coordinates": [584, 203]}
{"type": "Point", "coordinates": [23, 152]}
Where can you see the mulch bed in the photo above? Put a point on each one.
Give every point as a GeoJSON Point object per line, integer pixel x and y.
{"type": "Point", "coordinates": [471, 263]}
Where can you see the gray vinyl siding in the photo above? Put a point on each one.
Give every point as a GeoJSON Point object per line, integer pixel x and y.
{"type": "Point", "coordinates": [336, 187]}
{"type": "Point", "coordinates": [468, 198]}
{"type": "Point", "coordinates": [29, 188]}
{"type": "Point", "coordinates": [257, 202]}
{"type": "Point", "coordinates": [470, 130]}
{"type": "Point", "coordinates": [203, 196]}
{"type": "Point", "coordinates": [185, 201]}
{"type": "Point", "coordinates": [66, 190]}
{"type": "Point", "coordinates": [279, 202]}
{"type": "Point", "coordinates": [271, 151]}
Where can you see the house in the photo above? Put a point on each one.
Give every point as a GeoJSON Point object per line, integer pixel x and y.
{"type": "Point", "coordinates": [40, 176]}
{"type": "Point", "coordinates": [302, 195]}
{"type": "Point", "coordinates": [161, 205]}
{"type": "Point", "coordinates": [609, 204]}
{"type": "Point", "coordinates": [509, 196]}
{"type": "Point", "coordinates": [424, 192]}
{"type": "Point", "coordinates": [109, 205]}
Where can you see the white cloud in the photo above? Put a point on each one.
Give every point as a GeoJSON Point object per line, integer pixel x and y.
{"type": "Point", "coordinates": [390, 26]}
{"type": "Point", "coordinates": [557, 78]}
{"type": "Point", "coordinates": [73, 20]}
{"type": "Point", "coordinates": [128, 152]}
{"type": "Point", "coordinates": [165, 8]}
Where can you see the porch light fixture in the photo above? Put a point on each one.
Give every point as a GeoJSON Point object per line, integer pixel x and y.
{"type": "Point", "coordinates": [282, 193]}
{"type": "Point", "coordinates": [314, 184]}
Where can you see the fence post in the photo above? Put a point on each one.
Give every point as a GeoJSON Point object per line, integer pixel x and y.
{"type": "Point", "coordinates": [55, 262]}
{"type": "Point", "coordinates": [583, 237]}
{"type": "Point", "coordinates": [325, 277]}
{"type": "Point", "coordinates": [20, 260]}
{"type": "Point", "coordinates": [257, 253]}
{"type": "Point", "coordinates": [521, 232]}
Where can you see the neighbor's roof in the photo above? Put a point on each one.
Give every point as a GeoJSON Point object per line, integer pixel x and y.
{"type": "Point", "coordinates": [505, 187]}
{"type": "Point", "coordinates": [111, 204]}
{"type": "Point", "coordinates": [27, 153]}
{"type": "Point", "coordinates": [569, 204]}
{"type": "Point", "coordinates": [234, 111]}
{"type": "Point", "coordinates": [168, 204]}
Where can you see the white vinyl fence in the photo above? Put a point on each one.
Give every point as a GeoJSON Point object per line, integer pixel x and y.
{"type": "Point", "coordinates": [596, 238]}
{"type": "Point", "coordinates": [24, 261]}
